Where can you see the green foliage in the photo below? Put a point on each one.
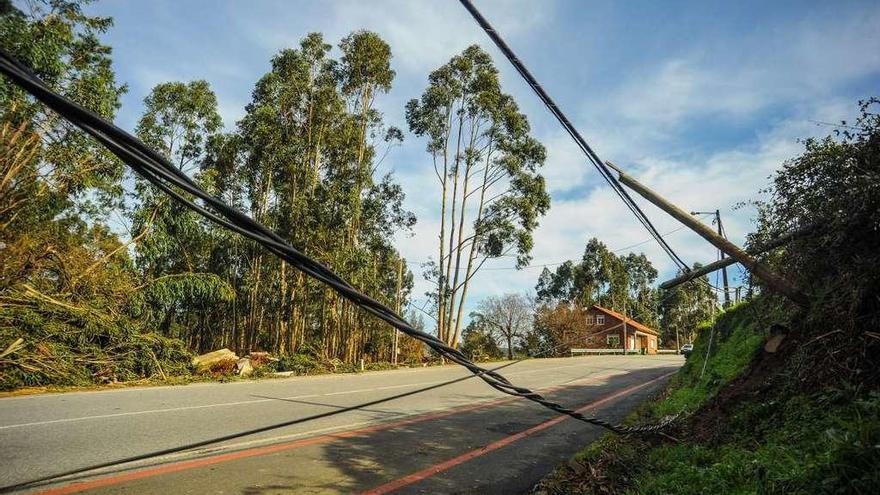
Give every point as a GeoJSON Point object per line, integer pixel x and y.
{"type": "Point", "coordinates": [801, 444]}
{"type": "Point", "coordinates": [178, 120]}
{"type": "Point", "coordinates": [61, 43]}
{"type": "Point", "coordinates": [601, 277]}
{"type": "Point", "coordinates": [80, 345]}
{"type": "Point", "coordinates": [737, 339]}
{"type": "Point", "coordinates": [486, 164]}
{"type": "Point", "coordinates": [380, 366]}
{"type": "Point", "coordinates": [833, 187]}
{"type": "Point", "coordinates": [825, 441]}
{"type": "Point", "coordinates": [66, 281]}
{"type": "Point", "coordinates": [617, 282]}
{"type": "Point", "coordinates": [683, 309]}
{"type": "Point", "coordinates": [300, 364]}
{"type": "Point", "coordinates": [478, 344]}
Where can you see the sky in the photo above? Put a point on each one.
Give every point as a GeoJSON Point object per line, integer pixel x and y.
{"type": "Point", "coordinates": [701, 100]}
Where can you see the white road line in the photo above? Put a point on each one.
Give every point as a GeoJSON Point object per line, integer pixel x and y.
{"type": "Point", "coordinates": [257, 401]}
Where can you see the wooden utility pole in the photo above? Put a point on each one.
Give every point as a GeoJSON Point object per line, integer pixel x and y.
{"type": "Point", "coordinates": [723, 270]}
{"type": "Point", "coordinates": [717, 214]}
{"type": "Point", "coordinates": [773, 280]}
{"type": "Point", "coordinates": [394, 350]}
{"type": "Point", "coordinates": [625, 342]}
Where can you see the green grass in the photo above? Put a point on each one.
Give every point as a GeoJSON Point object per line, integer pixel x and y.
{"type": "Point", "coordinates": [734, 345]}
{"type": "Point", "coordinates": [823, 443]}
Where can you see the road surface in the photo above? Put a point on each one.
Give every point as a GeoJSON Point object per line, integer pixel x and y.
{"type": "Point", "coordinates": [458, 437]}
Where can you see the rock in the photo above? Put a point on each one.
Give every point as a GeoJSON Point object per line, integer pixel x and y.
{"type": "Point", "coordinates": [206, 361]}
{"type": "Point", "coordinates": [773, 343]}
{"type": "Point", "coordinates": [243, 367]}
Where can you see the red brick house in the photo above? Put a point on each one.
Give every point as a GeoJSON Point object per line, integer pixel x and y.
{"type": "Point", "coordinates": [604, 329]}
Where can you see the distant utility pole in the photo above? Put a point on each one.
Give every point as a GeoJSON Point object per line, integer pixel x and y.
{"type": "Point", "coordinates": [721, 233]}
{"type": "Point", "coordinates": [394, 350]}
{"type": "Point", "coordinates": [625, 342]}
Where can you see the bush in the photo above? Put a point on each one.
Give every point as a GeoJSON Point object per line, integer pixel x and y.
{"type": "Point", "coordinates": [300, 364]}
{"type": "Point", "coordinates": [379, 366]}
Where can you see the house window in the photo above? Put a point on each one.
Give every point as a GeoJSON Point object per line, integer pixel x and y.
{"type": "Point", "coordinates": [590, 319]}
{"type": "Point", "coordinates": [600, 319]}
{"type": "Point", "coordinates": [613, 340]}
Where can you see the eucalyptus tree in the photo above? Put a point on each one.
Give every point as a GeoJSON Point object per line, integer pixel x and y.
{"type": "Point", "coordinates": [288, 125]}
{"type": "Point", "coordinates": [178, 120]}
{"type": "Point", "coordinates": [307, 166]}
{"type": "Point", "coordinates": [486, 164]}
{"type": "Point", "coordinates": [623, 283]}
{"type": "Point", "coordinates": [173, 243]}
{"type": "Point", "coordinates": [643, 298]}
{"type": "Point", "coordinates": [363, 70]}
{"type": "Point", "coordinates": [61, 44]}
{"type": "Point", "coordinates": [600, 277]}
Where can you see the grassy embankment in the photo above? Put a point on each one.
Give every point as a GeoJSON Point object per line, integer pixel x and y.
{"type": "Point", "coordinates": [750, 429]}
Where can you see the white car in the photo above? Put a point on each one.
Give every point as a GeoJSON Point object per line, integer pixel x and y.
{"type": "Point", "coordinates": [686, 349]}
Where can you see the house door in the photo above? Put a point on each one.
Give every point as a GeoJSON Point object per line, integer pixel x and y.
{"type": "Point", "coordinates": [631, 342]}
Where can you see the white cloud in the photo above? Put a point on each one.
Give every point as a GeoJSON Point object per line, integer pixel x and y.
{"type": "Point", "coordinates": [735, 78]}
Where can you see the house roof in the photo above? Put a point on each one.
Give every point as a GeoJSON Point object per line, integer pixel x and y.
{"type": "Point", "coordinates": [629, 321]}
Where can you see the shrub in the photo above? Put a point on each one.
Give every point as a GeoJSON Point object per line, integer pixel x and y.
{"type": "Point", "coordinates": [300, 364]}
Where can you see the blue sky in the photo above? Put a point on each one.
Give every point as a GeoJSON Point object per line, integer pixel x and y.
{"type": "Point", "coordinates": [701, 100]}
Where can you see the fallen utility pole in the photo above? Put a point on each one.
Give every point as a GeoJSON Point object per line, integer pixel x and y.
{"type": "Point", "coordinates": [717, 265]}
{"type": "Point", "coordinates": [773, 280]}
{"type": "Point", "coordinates": [394, 348]}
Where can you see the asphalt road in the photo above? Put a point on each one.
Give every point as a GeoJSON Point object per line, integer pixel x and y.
{"type": "Point", "coordinates": [461, 437]}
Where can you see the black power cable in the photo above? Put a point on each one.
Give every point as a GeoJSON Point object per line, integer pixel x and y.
{"type": "Point", "coordinates": [161, 173]}
{"type": "Point", "coordinates": [592, 156]}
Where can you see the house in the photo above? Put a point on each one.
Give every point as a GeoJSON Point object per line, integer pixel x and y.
{"type": "Point", "coordinates": [605, 329]}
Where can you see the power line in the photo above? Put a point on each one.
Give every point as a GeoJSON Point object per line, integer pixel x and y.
{"type": "Point", "coordinates": [556, 263]}
{"type": "Point", "coordinates": [591, 155]}
{"type": "Point", "coordinates": [615, 251]}
{"type": "Point", "coordinates": [161, 173]}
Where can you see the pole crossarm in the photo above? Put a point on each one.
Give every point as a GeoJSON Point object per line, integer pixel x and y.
{"type": "Point", "coordinates": [773, 280]}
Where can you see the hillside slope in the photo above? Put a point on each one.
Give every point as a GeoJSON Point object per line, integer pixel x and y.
{"type": "Point", "coordinates": [752, 426]}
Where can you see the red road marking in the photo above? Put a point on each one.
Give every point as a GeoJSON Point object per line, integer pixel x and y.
{"type": "Point", "coordinates": [455, 461]}
{"type": "Point", "coordinates": [256, 451]}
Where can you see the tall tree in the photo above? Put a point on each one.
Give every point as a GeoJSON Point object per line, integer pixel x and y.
{"type": "Point", "coordinates": [173, 243]}
{"type": "Point", "coordinates": [307, 163]}
{"type": "Point", "coordinates": [178, 120]}
{"type": "Point", "coordinates": [486, 164]}
{"type": "Point", "coordinates": [364, 70]}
